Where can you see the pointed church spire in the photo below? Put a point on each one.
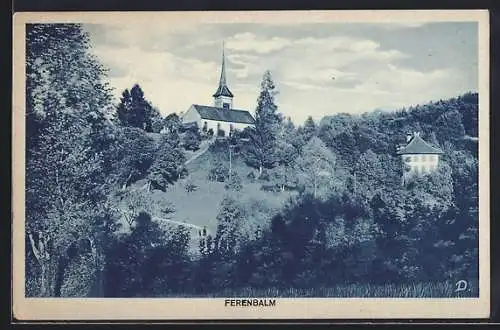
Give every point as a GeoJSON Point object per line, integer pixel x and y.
{"type": "Point", "coordinates": [222, 81]}
{"type": "Point", "coordinates": [223, 90]}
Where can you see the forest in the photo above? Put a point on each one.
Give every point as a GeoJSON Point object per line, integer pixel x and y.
{"type": "Point", "coordinates": [345, 226]}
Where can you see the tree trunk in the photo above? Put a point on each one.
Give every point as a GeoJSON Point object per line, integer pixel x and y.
{"type": "Point", "coordinates": [126, 181]}
{"type": "Point", "coordinates": [48, 267]}
{"type": "Point", "coordinates": [260, 170]}
{"type": "Point", "coordinates": [99, 269]}
{"type": "Point", "coordinates": [314, 192]}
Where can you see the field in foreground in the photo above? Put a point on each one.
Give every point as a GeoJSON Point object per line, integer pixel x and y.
{"type": "Point", "coordinates": [416, 290]}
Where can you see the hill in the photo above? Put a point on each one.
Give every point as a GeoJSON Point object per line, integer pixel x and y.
{"type": "Point", "coordinates": [194, 200]}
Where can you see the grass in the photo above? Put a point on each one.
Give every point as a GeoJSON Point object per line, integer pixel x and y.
{"type": "Point", "coordinates": [413, 290]}
{"type": "Point", "coordinates": [201, 206]}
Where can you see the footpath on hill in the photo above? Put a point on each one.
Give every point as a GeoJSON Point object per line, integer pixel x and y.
{"type": "Point", "coordinates": [203, 148]}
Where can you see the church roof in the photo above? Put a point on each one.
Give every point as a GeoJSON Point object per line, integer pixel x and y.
{"type": "Point", "coordinates": [228, 115]}
{"type": "Point", "coordinates": [223, 90]}
{"type": "Point", "coordinates": [418, 146]}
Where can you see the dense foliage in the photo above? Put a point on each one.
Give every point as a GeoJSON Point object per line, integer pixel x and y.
{"type": "Point", "coordinates": [348, 217]}
{"type": "Point", "coordinates": [135, 111]}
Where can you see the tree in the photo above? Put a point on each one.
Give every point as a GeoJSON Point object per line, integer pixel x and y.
{"type": "Point", "coordinates": [283, 177]}
{"type": "Point", "coordinates": [168, 166]}
{"type": "Point", "coordinates": [149, 261]}
{"type": "Point", "coordinates": [234, 183]}
{"type": "Point", "coordinates": [338, 133]}
{"type": "Point", "coordinates": [157, 121]}
{"type": "Point", "coordinates": [261, 149]}
{"type": "Point", "coordinates": [229, 221]}
{"type": "Point", "coordinates": [450, 126]}
{"type": "Point", "coordinates": [369, 174]}
{"type": "Point", "coordinates": [218, 172]}
{"type": "Point", "coordinates": [133, 203]}
{"type": "Point", "coordinates": [316, 165]}
{"type": "Point", "coordinates": [134, 156]}
{"type": "Point", "coordinates": [172, 123]}
{"type": "Point", "coordinates": [67, 139]}
{"type": "Point", "coordinates": [309, 129]}
{"type": "Point", "coordinates": [135, 111]}
{"type": "Point", "coordinates": [192, 139]}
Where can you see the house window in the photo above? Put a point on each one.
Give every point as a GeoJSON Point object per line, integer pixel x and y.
{"type": "Point", "coordinates": [225, 105]}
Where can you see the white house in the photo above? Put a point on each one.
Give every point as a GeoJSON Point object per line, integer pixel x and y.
{"type": "Point", "coordinates": [418, 156]}
{"type": "Point", "coordinates": [220, 116]}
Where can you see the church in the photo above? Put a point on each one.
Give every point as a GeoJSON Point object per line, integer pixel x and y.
{"type": "Point", "coordinates": [221, 118]}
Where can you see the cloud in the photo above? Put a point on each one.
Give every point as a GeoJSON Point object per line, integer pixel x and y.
{"type": "Point", "coordinates": [317, 74]}
{"type": "Point", "coordinates": [389, 87]}
{"type": "Point", "coordinates": [244, 64]}
{"type": "Point", "coordinates": [169, 82]}
{"type": "Point", "coordinates": [250, 42]}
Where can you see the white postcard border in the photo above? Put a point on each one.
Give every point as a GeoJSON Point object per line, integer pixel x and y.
{"type": "Point", "coordinates": [214, 308]}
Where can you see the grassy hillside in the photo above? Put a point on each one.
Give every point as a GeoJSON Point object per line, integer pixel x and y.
{"type": "Point", "coordinates": [201, 206]}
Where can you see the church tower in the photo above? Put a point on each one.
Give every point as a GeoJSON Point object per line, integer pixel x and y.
{"type": "Point", "coordinates": [223, 98]}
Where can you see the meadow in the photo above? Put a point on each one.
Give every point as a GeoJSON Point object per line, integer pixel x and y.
{"type": "Point", "coordinates": [410, 290]}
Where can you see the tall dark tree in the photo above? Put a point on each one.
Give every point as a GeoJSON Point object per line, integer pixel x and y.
{"type": "Point", "coordinates": [309, 129]}
{"type": "Point", "coordinates": [135, 111]}
{"type": "Point", "coordinates": [261, 150]}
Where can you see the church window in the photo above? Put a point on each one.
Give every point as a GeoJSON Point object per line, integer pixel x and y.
{"type": "Point", "coordinates": [225, 105]}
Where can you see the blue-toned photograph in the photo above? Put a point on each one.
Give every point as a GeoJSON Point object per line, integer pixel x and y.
{"type": "Point", "coordinates": [252, 160]}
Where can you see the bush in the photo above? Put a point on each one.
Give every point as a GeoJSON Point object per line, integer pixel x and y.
{"type": "Point", "coordinates": [251, 175]}
{"type": "Point", "coordinates": [219, 172]}
{"type": "Point", "coordinates": [192, 140]}
{"type": "Point", "coordinates": [265, 175]}
{"type": "Point", "coordinates": [190, 187]}
{"type": "Point", "coordinates": [210, 132]}
{"type": "Point", "coordinates": [235, 183]}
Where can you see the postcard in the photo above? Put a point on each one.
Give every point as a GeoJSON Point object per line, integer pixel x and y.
{"type": "Point", "coordinates": [251, 165]}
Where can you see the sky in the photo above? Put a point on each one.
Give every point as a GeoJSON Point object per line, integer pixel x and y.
{"type": "Point", "coordinates": [319, 69]}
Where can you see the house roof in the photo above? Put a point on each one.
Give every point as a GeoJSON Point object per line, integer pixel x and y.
{"type": "Point", "coordinates": [418, 146]}
{"type": "Point", "coordinates": [228, 115]}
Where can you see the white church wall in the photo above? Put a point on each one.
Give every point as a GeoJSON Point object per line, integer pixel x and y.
{"type": "Point", "coordinates": [191, 115]}
{"type": "Point", "coordinates": [226, 126]}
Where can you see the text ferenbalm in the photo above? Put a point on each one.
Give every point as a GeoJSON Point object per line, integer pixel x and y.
{"type": "Point", "coordinates": [250, 302]}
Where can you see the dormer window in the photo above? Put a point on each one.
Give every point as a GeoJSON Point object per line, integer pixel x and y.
{"type": "Point", "coordinates": [225, 106]}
